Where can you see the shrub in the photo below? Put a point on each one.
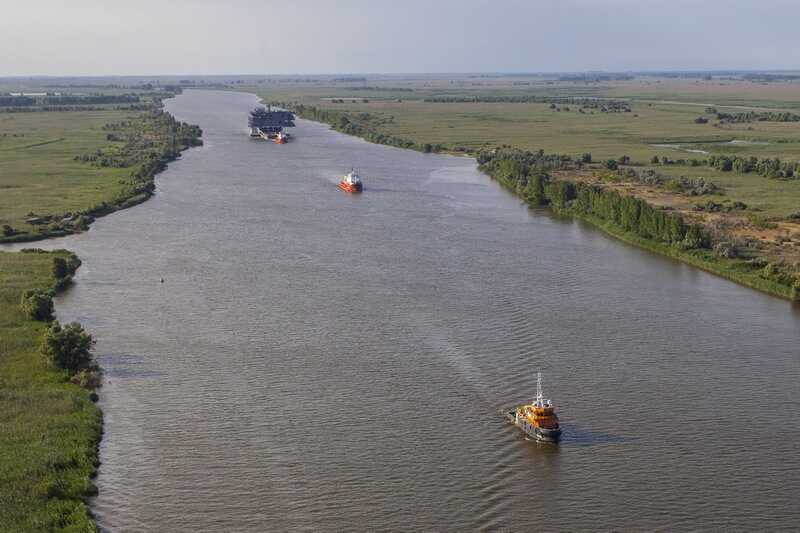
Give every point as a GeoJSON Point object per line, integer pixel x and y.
{"type": "Point", "coordinates": [88, 378]}
{"type": "Point", "coordinates": [726, 250]}
{"type": "Point", "coordinates": [60, 269]}
{"type": "Point", "coordinates": [69, 347]}
{"type": "Point", "coordinates": [8, 231]}
{"type": "Point", "coordinates": [761, 222]}
{"type": "Point", "coordinates": [37, 304]}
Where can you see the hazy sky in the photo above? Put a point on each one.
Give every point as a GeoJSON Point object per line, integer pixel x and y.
{"type": "Point", "coordinates": [85, 37]}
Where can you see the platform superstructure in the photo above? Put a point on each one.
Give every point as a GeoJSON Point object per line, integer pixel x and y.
{"type": "Point", "coordinates": [268, 123]}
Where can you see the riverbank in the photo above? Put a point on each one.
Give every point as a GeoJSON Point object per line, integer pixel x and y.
{"type": "Point", "coordinates": [51, 427]}
{"type": "Point", "coordinates": [101, 162]}
{"type": "Point", "coordinates": [744, 264]}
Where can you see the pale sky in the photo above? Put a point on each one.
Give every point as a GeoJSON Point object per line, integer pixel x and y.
{"type": "Point", "coordinates": [150, 37]}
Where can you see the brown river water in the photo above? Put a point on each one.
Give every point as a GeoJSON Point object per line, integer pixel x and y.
{"type": "Point", "coordinates": [317, 361]}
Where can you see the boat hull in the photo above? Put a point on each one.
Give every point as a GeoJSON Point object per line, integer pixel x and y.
{"type": "Point", "coordinates": [536, 433]}
{"type": "Point", "coordinates": [346, 187]}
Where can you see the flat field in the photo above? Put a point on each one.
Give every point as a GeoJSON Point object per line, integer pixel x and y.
{"type": "Point", "coordinates": [38, 170]}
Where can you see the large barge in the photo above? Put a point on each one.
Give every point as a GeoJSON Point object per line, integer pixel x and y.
{"type": "Point", "coordinates": [269, 124]}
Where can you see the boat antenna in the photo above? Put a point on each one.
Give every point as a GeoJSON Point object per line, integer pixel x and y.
{"type": "Point", "coordinates": [539, 395]}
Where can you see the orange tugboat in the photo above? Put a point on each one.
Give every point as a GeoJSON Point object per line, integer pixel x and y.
{"type": "Point", "coordinates": [538, 420]}
{"type": "Point", "coordinates": [351, 182]}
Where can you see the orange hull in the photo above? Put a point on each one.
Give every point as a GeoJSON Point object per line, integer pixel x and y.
{"type": "Point", "coordinates": [346, 187]}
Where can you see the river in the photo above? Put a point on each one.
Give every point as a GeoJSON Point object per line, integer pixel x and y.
{"type": "Point", "coordinates": [317, 361]}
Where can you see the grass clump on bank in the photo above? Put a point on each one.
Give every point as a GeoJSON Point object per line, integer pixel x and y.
{"type": "Point", "coordinates": [50, 426]}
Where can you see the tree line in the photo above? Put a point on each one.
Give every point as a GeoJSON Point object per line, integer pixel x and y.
{"type": "Point", "coordinates": [757, 116]}
{"type": "Point", "coordinates": [526, 173]}
{"type": "Point", "coordinates": [767, 167]}
{"type": "Point", "coordinates": [68, 100]}
{"type": "Point", "coordinates": [612, 106]}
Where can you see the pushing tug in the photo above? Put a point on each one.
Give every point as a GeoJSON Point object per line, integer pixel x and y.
{"type": "Point", "coordinates": [538, 420]}
{"type": "Point", "coordinates": [351, 182]}
{"type": "Point", "coordinates": [269, 124]}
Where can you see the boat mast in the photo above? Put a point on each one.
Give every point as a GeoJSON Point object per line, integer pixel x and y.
{"type": "Point", "coordinates": [539, 395]}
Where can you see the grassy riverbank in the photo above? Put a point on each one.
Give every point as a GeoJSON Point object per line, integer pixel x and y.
{"type": "Point", "coordinates": [645, 138]}
{"type": "Point", "coordinates": [50, 427]}
{"type": "Point", "coordinates": [61, 169]}
{"type": "Point", "coordinates": [636, 222]}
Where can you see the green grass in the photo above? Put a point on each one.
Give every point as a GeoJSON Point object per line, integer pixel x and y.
{"type": "Point", "coordinates": [39, 173]}
{"type": "Point", "coordinates": [772, 198]}
{"type": "Point", "coordinates": [50, 428]}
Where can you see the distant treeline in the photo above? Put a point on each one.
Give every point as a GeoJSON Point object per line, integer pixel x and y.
{"type": "Point", "coordinates": [37, 109]}
{"type": "Point", "coordinates": [594, 103]}
{"type": "Point", "coordinates": [387, 89]}
{"type": "Point", "coordinates": [767, 167]}
{"type": "Point", "coordinates": [68, 100]}
{"type": "Point", "coordinates": [770, 77]}
{"type": "Point", "coordinates": [758, 116]}
{"type": "Point", "coordinates": [596, 77]}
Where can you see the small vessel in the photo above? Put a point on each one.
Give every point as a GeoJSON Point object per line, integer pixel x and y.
{"type": "Point", "coordinates": [351, 182]}
{"type": "Point", "coordinates": [538, 420]}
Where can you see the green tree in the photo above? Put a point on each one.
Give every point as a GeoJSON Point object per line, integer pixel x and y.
{"type": "Point", "coordinates": [60, 269]}
{"type": "Point", "coordinates": [37, 304]}
{"type": "Point", "coordinates": [69, 347]}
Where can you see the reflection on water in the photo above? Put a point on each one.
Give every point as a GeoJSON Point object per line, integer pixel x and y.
{"type": "Point", "coordinates": [323, 362]}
